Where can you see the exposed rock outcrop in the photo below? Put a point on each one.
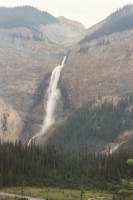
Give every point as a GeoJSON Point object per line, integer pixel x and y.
{"type": "Point", "coordinates": [28, 55]}
{"type": "Point", "coordinates": [10, 123]}
{"type": "Point", "coordinates": [103, 67]}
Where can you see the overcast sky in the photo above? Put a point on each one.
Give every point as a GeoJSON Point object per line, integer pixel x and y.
{"type": "Point", "coordinates": [87, 12]}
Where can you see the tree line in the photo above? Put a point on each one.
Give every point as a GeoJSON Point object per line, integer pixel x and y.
{"type": "Point", "coordinates": [25, 16]}
{"type": "Point", "coordinates": [119, 21]}
{"type": "Point", "coordinates": [56, 166]}
{"type": "Point", "coordinates": [95, 126]}
{"type": "Point", "coordinates": [68, 159]}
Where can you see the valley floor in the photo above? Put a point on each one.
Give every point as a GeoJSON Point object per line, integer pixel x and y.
{"type": "Point", "coordinates": [122, 191]}
{"type": "Point", "coordinates": [57, 194]}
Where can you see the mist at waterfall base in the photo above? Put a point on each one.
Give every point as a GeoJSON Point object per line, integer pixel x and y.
{"type": "Point", "coordinates": [52, 100]}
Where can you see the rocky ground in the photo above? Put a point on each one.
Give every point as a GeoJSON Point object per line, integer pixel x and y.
{"type": "Point", "coordinates": [27, 58]}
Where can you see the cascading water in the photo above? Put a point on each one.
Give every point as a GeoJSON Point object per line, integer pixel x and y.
{"type": "Point", "coordinates": [53, 97]}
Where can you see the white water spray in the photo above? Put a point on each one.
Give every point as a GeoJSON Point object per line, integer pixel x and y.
{"type": "Point", "coordinates": [53, 97]}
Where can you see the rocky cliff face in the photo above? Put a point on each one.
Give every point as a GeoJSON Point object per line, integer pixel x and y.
{"type": "Point", "coordinates": [10, 122]}
{"type": "Point", "coordinates": [28, 54]}
{"type": "Point", "coordinates": [101, 64]}
{"type": "Point", "coordinates": [100, 68]}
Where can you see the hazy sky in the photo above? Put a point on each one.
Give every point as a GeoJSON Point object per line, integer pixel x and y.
{"type": "Point", "coordinates": [88, 12]}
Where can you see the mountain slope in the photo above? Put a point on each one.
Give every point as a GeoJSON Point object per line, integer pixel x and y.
{"type": "Point", "coordinates": [66, 32]}
{"type": "Point", "coordinates": [101, 67]}
{"type": "Point", "coordinates": [97, 70]}
{"type": "Point", "coordinates": [97, 128]}
{"type": "Point", "coordinates": [119, 21]}
{"type": "Point", "coordinates": [29, 50]}
{"type": "Point", "coordinates": [24, 17]}
{"type": "Point", "coordinates": [100, 70]}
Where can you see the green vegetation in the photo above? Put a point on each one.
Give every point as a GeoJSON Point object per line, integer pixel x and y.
{"type": "Point", "coordinates": [54, 166]}
{"type": "Point", "coordinates": [130, 162]}
{"type": "Point", "coordinates": [122, 191]}
{"type": "Point", "coordinates": [24, 17]}
{"type": "Point", "coordinates": [95, 123]}
{"type": "Point", "coordinates": [60, 194]}
{"type": "Point", "coordinates": [66, 161]}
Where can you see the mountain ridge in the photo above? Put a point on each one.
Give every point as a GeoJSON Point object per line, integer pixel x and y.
{"type": "Point", "coordinates": [98, 69]}
{"type": "Point", "coordinates": [25, 16]}
{"type": "Point", "coordinates": [120, 20]}
{"type": "Point", "coordinates": [28, 54]}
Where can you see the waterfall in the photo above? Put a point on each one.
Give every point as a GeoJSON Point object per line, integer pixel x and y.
{"type": "Point", "coordinates": [53, 97]}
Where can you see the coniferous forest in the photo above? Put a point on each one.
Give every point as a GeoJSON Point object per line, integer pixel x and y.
{"type": "Point", "coordinates": [66, 160]}
{"type": "Point", "coordinates": [54, 166]}
{"type": "Point", "coordinates": [103, 123]}
{"type": "Point", "coordinates": [119, 21]}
